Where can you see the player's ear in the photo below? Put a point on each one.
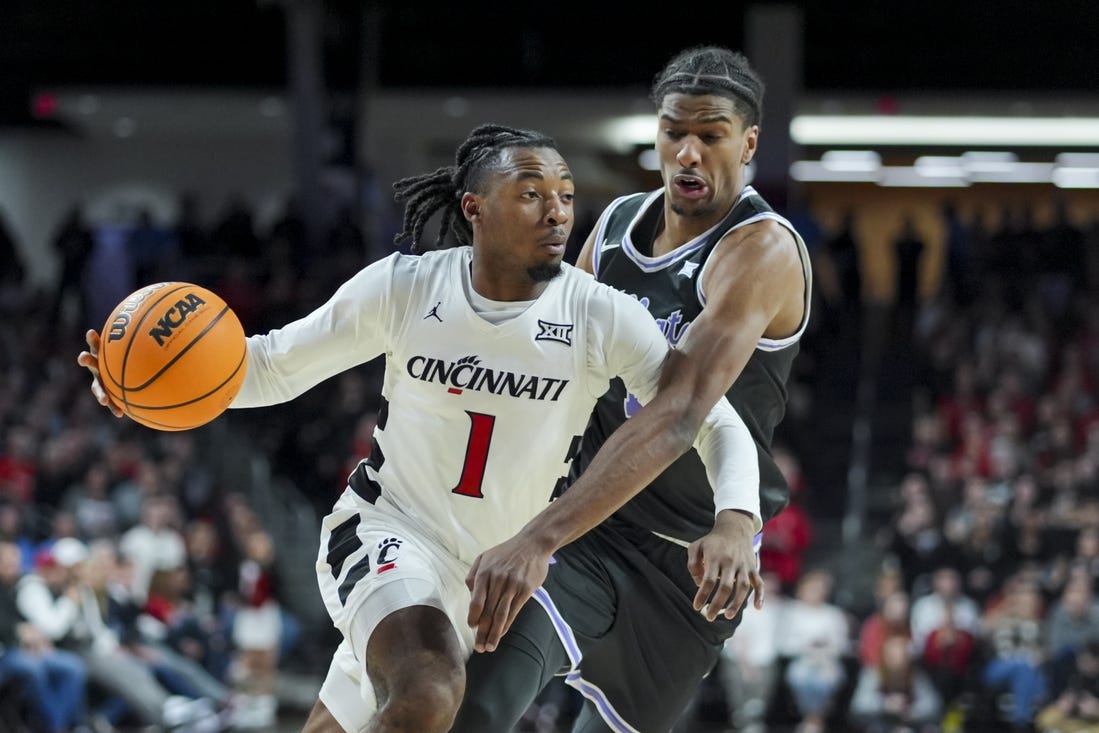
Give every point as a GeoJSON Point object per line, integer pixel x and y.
{"type": "Point", "coordinates": [751, 140]}
{"type": "Point", "coordinates": [471, 206]}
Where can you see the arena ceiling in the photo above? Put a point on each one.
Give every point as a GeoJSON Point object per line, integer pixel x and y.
{"type": "Point", "coordinates": [855, 45]}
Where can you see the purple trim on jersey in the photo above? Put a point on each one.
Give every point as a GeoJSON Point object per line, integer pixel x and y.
{"type": "Point", "coordinates": [597, 251]}
{"type": "Point", "coordinates": [652, 264]}
{"type": "Point", "coordinates": [757, 541]}
{"type": "Point", "coordinates": [766, 344]}
{"type": "Point", "coordinates": [573, 676]}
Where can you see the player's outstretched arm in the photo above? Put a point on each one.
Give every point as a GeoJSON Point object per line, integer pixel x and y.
{"type": "Point", "coordinates": [753, 279]}
{"type": "Point", "coordinates": [504, 577]}
{"type": "Point", "coordinates": [755, 287]}
{"type": "Point", "coordinates": [90, 360]}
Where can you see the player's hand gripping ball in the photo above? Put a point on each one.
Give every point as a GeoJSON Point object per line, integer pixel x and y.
{"type": "Point", "coordinates": [172, 356]}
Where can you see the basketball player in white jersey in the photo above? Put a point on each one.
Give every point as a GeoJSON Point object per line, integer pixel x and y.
{"type": "Point", "coordinates": [495, 356]}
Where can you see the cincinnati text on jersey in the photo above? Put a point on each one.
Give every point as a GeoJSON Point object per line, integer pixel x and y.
{"type": "Point", "coordinates": [467, 373]}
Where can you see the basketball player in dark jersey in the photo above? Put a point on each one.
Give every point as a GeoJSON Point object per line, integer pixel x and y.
{"type": "Point", "coordinates": [635, 611]}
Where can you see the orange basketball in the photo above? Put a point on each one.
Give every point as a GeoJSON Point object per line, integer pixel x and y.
{"type": "Point", "coordinates": [172, 356]}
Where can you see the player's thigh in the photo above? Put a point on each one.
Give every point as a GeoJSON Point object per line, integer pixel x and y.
{"type": "Point", "coordinates": [501, 685]}
{"type": "Point", "coordinates": [414, 653]}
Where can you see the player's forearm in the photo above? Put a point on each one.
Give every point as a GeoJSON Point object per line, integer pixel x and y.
{"type": "Point", "coordinates": [635, 454]}
{"type": "Point", "coordinates": [730, 456]}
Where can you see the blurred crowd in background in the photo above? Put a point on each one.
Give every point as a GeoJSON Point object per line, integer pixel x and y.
{"type": "Point", "coordinates": [143, 585]}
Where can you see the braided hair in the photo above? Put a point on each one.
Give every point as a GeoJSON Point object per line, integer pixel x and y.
{"type": "Point", "coordinates": [713, 70]}
{"type": "Point", "coordinates": [426, 194]}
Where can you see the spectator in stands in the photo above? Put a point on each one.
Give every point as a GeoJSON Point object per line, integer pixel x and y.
{"type": "Point", "coordinates": [983, 553]}
{"type": "Point", "coordinates": [948, 656]}
{"type": "Point", "coordinates": [915, 538]}
{"type": "Point", "coordinates": [843, 252]}
{"type": "Point", "coordinates": [749, 662]}
{"type": "Point", "coordinates": [961, 277]}
{"type": "Point", "coordinates": [1013, 630]}
{"type": "Point", "coordinates": [13, 529]}
{"type": "Point", "coordinates": [12, 270]}
{"type": "Point", "coordinates": [212, 566]}
{"type": "Point", "coordinates": [815, 639]}
{"type": "Point", "coordinates": [89, 502]}
{"type": "Point", "coordinates": [142, 630]}
{"type": "Point", "coordinates": [234, 234]}
{"type": "Point", "coordinates": [257, 628]}
{"type": "Point", "coordinates": [135, 476]}
{"type": "Point", "coordinates": [895, 694]}
{"type": "Point", "coordinates": [18, 464]}
{"type": "Point", "coordinates": [1075, 705]}
{"type": "Point", "coordinates": [908, 248]}
{"type": "Point", "coordinates": [155, 542]}
{"type": "Point", "coordinates": [192, 239]}
{"type": "Point", "coordinates": [790, 532]}
{"type": "Point", "coordinates": [1086, 560]}
{"type": "Point", "coordinates": [929, 611]}
{"type": "Point", "coordinates": [60, 604]}
{"type": "Point", "coordinates": [1072, 623]}
{"type": "Point", "coordinates": [53, 681]}
{"type": "Point", "coordinates": [73, 244]}
{"type": "Point", "coordinates": [890, 620]}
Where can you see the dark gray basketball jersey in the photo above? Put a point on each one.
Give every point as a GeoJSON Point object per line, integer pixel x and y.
{"type": "Point", "coordinates": [679, 503]}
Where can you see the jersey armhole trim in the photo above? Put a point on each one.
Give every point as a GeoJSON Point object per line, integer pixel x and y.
{"type": "Point", "coordinates": [766, 344]}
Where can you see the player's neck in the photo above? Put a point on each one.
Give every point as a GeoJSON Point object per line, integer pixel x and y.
{"type": "Point", "coordinates": [504, 287]}
{"type": "Point", "coordinates": [674, 230]}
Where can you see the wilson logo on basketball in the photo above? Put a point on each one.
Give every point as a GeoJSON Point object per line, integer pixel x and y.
{"type": "Point", "coordinates": [174, 317]}
{"type": "Point", "coordinates": [122, 320]}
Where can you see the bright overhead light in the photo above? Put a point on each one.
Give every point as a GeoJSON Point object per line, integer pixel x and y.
{"type": "Point", "coordinates": [929, 130]}
{"type": "Point", "coordinates": [910, 176]}
{"type": "Point", "coordinates": [1076, 177]}
{"type": "Point", "coordinates": [629, 131]}
{"type": "Point", "coordinates": [976, 161]}
{"type": "Point", "coordinates": [649, 160]}
{"type": "Point", "coordinates": [1011, 173]}
{"type": "Point", "coordinates": [1078, 160]}
{"type": "Point", "coordinates": [812, 170]}
{"type": "Point", "coordinates": [932, 166]}
{"type": "Point", "coordinates": [851, 160]}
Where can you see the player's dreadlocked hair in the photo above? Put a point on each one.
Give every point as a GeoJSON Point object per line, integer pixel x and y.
{"type": "Point", "coordinates": [425, 194]}
{"type": "Point", "coordinates": [713, 70]}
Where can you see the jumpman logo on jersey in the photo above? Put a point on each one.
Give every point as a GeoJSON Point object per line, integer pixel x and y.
{"type": "Point", "coordinates": [434, 312]}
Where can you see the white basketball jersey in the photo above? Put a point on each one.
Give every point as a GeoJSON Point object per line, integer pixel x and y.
{"type": "Point", "coordinates": [480, 421]}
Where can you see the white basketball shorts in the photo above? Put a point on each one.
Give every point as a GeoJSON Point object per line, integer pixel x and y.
{"type": "Point", "coordinates": [371, 562]}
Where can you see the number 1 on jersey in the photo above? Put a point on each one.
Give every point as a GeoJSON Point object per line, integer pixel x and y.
{"type": "Point", "coordinates": [473, 471]}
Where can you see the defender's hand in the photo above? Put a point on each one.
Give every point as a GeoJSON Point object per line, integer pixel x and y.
{"type": "Point", "coordinates": [90, 360]}
{"type": "Point", "coordinates": [501, 580]}
{"type": "Point", "coordinates": [723, 565]}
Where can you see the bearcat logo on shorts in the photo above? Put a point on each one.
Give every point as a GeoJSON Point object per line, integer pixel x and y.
{"type": "Point", "coordinates": [388, 549]}
{"type": "Point", "coordinates": [174, 317]}
{"type": "Point", "coordinates": [122, 320]}
{"type": "Point", "coordinates": [467, 373]}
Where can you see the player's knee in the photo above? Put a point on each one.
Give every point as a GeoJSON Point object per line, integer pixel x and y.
{"type": "Point", "coordinates": [425, 700]}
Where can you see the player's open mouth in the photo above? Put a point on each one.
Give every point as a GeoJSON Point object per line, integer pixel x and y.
{"type": "Point", "coordinates": [690, 186]}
